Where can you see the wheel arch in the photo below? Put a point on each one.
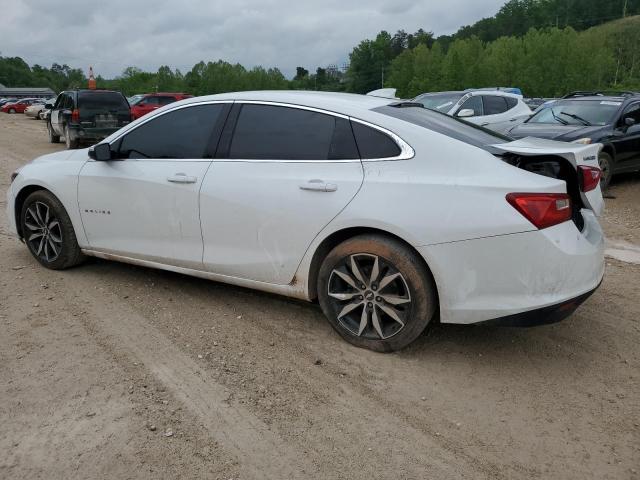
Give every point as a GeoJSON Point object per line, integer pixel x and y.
{"type": "Point", "coordinates": [339, 236]}
{"type": "Point", "coordinates": [19, 202]}
{"type": "Point", "coordinates": [609, 149]}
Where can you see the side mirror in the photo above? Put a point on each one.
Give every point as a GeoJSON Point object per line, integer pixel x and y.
{"type": "Point", "coordinates": [100, 152]}
{"type": "Point", "coordinates": [629, 121]}
{"type": "Point", "coordinates": [466, 112]}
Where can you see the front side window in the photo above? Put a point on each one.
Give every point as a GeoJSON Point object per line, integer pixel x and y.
{"type": "Point", "coordinates": [268, 132]}
{"type": "Point", "coordinates": [633, 111]}
{"type": "Point", "coordinates": [494, 105]}
{"type": "Point", "coordinates": [475, 104]}
{"type": "Point", "coordinates": [182, 133]}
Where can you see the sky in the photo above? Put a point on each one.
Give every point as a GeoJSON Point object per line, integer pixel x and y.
{"type": "Point", "coordinates": [114, 34]}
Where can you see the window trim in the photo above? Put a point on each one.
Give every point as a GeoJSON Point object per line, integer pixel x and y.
{"type": "Point", "coordinates": [406, 151]}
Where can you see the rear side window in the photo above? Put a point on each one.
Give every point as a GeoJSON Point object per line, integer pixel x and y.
{"type": "Point", "coordinates": [494, 104]}
{"type": "Point", "coordinates": [111, 101]}
{"type": "Point", "coordinates": [266, 132]}
{"type": "Point", "coordinates": [373, 143]}
{"type": "Point", "coordinates": [183, 133]}
{"type": "Point", "coordinates": [511, 102]}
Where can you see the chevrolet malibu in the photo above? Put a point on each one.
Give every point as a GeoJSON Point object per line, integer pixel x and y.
{"type": "Point", "coordinates": [390, 215]}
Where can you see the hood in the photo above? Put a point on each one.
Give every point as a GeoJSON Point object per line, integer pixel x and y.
{"type": "Point", "coordinates": [65, 155]}
{"type": "Point", "coordinates": [566, 133]}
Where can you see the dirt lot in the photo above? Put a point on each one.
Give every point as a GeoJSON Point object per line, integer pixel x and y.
{"type": "Point", "coordinates": [115, 371]}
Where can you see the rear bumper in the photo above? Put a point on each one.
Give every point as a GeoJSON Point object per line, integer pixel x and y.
{"type": "Point", "coordinates": [523, 273]}
{"type": "Point", "coordinates": [541, 316]}
{"type": "Point", "coordinates": [79, 133]}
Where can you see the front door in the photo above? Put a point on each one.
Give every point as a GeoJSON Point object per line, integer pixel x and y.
{"type": "Point", "coordinates": [145, 203]}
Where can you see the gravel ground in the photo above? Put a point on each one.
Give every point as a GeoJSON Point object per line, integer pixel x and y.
{"type": "Point", "coordinates": [114, 371]}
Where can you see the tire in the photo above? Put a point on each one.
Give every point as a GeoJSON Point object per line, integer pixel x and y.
{"type": "Point", "coordinates": [53, 138]}
{"type": "Point", "coordinates": [71, 144]}
{"type": "Point", "coordinates": [12, 110]}
{"type": "Point", "coordinates": [409, 293]}
{"type": "Point", "coordinates": [606, 165]}
{"type": "Point", "coordinates": [48, 231]}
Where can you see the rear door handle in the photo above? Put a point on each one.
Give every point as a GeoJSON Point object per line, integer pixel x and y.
{"type": "Point", "coordinates": [182, 178]}
{"type": "Point", "coordinates": [319, 186]}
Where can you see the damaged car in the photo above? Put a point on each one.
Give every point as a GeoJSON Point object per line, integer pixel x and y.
{"type": "Point", "coordinates": [389, 215]}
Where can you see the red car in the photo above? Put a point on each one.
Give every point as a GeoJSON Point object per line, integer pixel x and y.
{"type": "Point", "coordinates": [20, 106]}
{"type": "Point", "coordinates": [152, 101]}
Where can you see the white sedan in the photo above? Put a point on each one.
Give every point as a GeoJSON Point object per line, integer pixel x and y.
{"type": "Point", "coordinates": [390, 215]}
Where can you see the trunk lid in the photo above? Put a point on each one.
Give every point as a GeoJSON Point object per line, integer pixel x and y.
{"type": "Point", "coordinates": [530, 149]}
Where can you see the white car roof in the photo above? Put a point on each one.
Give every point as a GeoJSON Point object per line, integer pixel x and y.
{"type": "Point", "coordinates": [345, 103]}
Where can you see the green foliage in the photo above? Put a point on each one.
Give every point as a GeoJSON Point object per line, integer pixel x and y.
{"type": "Point", "coordinates": [14, 72]}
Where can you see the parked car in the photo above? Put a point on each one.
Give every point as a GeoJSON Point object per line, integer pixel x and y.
{"type": "Point", "coordinates": [82, 116]}
{"type": "Point", "coordinates": [4, 101]}
{"type": "Point", "coordinates": [153, 101]}
{"type": "Point", "coordinates": [482, 107]}
{"type": "Point", "coordinates": [34, 109]}
{"type": "Point", "coordinates": [389, 214]}
{"type": "Point", "coordinates": [613, 121]}
{"type": "Point", "coordinates": [19, 106]}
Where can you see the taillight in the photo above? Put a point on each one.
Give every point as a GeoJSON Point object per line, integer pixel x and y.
{"type": "Point", "coordinates": [589, 177]}
{"type": "Point", "coordinates": [542, 209]}
{"type": "Point", "coordinates": [75, 115]}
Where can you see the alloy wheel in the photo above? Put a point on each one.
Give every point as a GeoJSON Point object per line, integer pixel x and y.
{"type": "Point", "coordinates": [370, 296]}
{"type": "Point", "coordinates": [44, 234]}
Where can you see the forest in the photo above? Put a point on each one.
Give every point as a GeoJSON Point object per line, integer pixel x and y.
{"type": "Point", "coordinates": [545, 47]}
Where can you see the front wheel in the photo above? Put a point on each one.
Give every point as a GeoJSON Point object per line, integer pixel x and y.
{"type": "Point", "coordinates": [12, 110]}
{"type": "Point", "coordinates": [48, 231]}
{"type": "Point", "coordinates": [606, 166]}
{"type": "Point", "coordinates": [376, 293]}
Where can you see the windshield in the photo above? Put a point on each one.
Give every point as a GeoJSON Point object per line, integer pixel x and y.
{"type": "Point", "coordinates": [441, 102]}
{"type": "Point", "coordinates": [577, 112]}
{"type": "Point", "coordinates": [450, 126]}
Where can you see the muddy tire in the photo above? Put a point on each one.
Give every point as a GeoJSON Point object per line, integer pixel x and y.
{"type": "Point", "coordinates": [606, 165]}
{"type": "Point", "coordinates": [48, 231]}
{"type": "Point", "coordinates": [71, 144]}
{"type": "Point", "coordinates": [376, 292]}
{"type": "Point", "coordinates": [53, 138]}
{"type": "Point", "coordinates": [12, 110]}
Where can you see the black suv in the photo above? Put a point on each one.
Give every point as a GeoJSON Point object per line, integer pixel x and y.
{"type": "Point", "coordinates": [87, 116]}
{"type": "Point", "coordinates": [592, 117]}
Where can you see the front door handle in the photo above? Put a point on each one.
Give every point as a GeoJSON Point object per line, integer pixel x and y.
{"type": "Point", "coordinates": [319, 186]}
{"type": "Point", "coordinates": [182, 178]}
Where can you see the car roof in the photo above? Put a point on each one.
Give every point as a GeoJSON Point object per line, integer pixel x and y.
{"type": "Point", "coordinates": [591, 98]}
{"type": "Point", "coordinates": [345, 103]}
{"type": "Point", "coordinates": [473, 91]}
{"type": "Point", "coordinates": [163, 93]}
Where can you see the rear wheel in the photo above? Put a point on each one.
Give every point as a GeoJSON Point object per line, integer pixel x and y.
{"type": "Point", "coordinates": [53, 138]}
{"type": "Point", "coordinates": [606, 165]}
{"type": "Point", "coordinates": [376, 293]}
{"type": "Point", "coordinates": [12, 110]}
{"type": "Point", "coordinates": [48, 231]}
{"type": "Point", "coordinates": [71, 144]}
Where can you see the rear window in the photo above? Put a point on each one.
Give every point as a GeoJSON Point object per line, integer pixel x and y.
{"type": "Point", "coordinates": [450, 126]}
{"type": "Point", "coordinates": [102, 100]}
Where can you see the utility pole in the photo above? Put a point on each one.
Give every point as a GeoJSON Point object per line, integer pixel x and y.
{"type": "Point", "coordinates": [624, 9]}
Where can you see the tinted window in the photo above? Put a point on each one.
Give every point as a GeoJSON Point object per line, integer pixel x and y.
{"type": "Point", "coordinates": [165, 100]}
{"type": "Point", "coordinates": [373, 143]}
{"type": "Point", "coordinates": [452, 127]}
{"type": "Point", "coordinates": [494, 105]}
{"type": "Point", "coordinates": [269, 132]}
{"type": "Point", "coordinates": [511, 102]}
{"type": "Point", "coordinates": [475, 104]}
{"type": "Point", "coordinates": [633, 111]}
{"type": "Point", "coordinates": [102, 101]}
{"type": "Point", "coordinates": [183, 133]}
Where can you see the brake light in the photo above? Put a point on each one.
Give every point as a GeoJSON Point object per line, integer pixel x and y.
{"type": "Point", "coordinates": [542, 209]}
{"type": "Point", "coordinates": [589, 177]}
{"type": "Point", "coordinates": [75, 115]}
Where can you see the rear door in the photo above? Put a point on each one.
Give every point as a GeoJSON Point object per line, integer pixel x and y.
{"type": "Point", "coordinates": [282, 173]}
{"type": "Point", "coordinates": [145, 204]}
{"type": "Point", "coordinates": [627, 139]}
